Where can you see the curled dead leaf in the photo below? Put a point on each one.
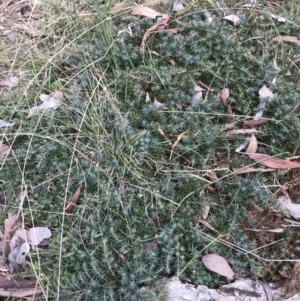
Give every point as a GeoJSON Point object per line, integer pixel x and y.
{"type": "Point", "coordinates": [292, 208]}
{"type": "Point", "coordinates": [73, 200]}
{"type": "Point", "coordinates": [235, 19]}
{"type": "Point", "coordinates": [171, 61]}
{"type": "Point", "coordinates": [158, 105]}
{"type": "Point", "coordinates": [178, 5]}
{"type": "Point", "coordinates": [120, 254]}
{"type": "Point", "coordinates": [181, 136]}
{"type": "Point", "coordinates": [252, 147]}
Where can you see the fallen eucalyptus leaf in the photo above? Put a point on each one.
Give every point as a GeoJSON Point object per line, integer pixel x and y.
{"type": "Point", "coordinates": [265, 92]}
{"type": "Point", "coordinates": [292, 208]}
{"type": "Point", "coordinates": [158, 105]}
{"type": "Point", "coordinates": [275, 66]}
{"type": "Point", "coordinates": [278, 230]}
{"type": "Point", "coordinates": [4, 150]}
{"type": "Point", "coordinates": [197, 95]}
{"type": "Point", "coordinates": [4, 124]}
{"type": "Point", "coordinates": [31, 111]}
{"type": "Point", "coordinates": [159, 26]}
{"type": "Point", "coordinates": [11, 82]}
{"type": "Point", "coordinates": [69, 207]}
{"type": "Point", "coordinates": [252, 147]}
{"type": "Point", "coordinates": [178, 5]}
{"type": "Point", "coordinates": [255, 123]}
{"type": "Point", "coordinates": [148, 12]}
{"type": "Point", "coordinates": [273, 162]}
{"type": "Point", "coordinates": [242, 170]}
{"type": "Point", "coordinates": [208, 16]}
{"type": "Point", "coordinates": [291, 39]}
{"type": "Point", "coordinates": [147, 97]}
{"type": "Point", "coordinates": [205, 211]}
{"type": "Point", "coordinates": [241, 131]}
{"type": "Point", "coordinates": [181, 136]}
{"type": "Point", "coordinates": [49, 102]}
{"type": "Point", "coordinates": [15, 282]}
{"type": "Point", "coordinates": [218, 264]}
{"type": "Point", "coordinates": [278, 18]}
{"type": "Point", "coordinates": [37, 234]}
{"type": "Point", "coordinates": [223, 95]}
{"type": "Point", "coordinates": [235, 19]}
{"type": "Point", "coordinates": [22, 292]}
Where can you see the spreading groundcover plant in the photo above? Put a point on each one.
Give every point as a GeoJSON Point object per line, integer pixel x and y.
{"type": "Point", "coordinates": [150, 158]}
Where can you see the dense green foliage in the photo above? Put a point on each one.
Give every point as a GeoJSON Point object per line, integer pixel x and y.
{"type": "Point", "coordinates": [106, 138]}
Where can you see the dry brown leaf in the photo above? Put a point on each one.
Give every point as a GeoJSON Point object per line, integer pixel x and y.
{"type": "Point", "coordinates": [273, 162]}
{"type": "Point", "coordinates": [292, 78]}
{"type": "Point", "coordinates": [11, 82]}
{"type": "Point", "coordinates": [242, 170]}
{"type": "Point", "coordinates": [50, 101]}
{"type": "Point", "coordinates": [292, 208]}
{"type": "Point", "coordinates": [171, 61]}
{"type": "Point", "coordinates": [265, 92]}
{"type": "Point", "coordinates": [147, 97]}
{"type": "Point", "coordinates": [29, 30]}
{"type": "Point", "coordinates": [148, 12]}
{"type": "Point", "coordinates": [58, 95]}
{"type": "Point", "coordinates": [178, 5]}
{"type": "Point", "coordinates": [235, 19]}
{"type": "Point", "coordinates": [16, 282]}
{"type": "Point", "coordinates": [229, 114]}
{"type": "Point", "coordinates": [291, 39]}
{"type": "Point", "coordinates": [160, 130]}
{"type": "Point", "coordinates": [278, 18]}
{"type": "Point", "coordinates": [205, 86]}
{"type": "Point", "coordinates": [252, 147]}
{"type": "Point", "coordinates": [21, 293]}
{"type": "Point", "coordinates": [157, 104]}
{"type": "Point", "coordinates": [31, 111]}
{"type": "Point", "coordinates": [4, 150]}
{"type": "Point", "coordinates": [255, 123]}
{"type": "Point", "coordinates": [241, 131]}
{"type": "Point", "coordinates": [120, 254]}
{"type": "Point", "coordinates": [218, 264]}
{"type": "Point", "coordinates": [8, 226]}
{"type": "Point", "coordinates": [208, 225]}
{"type": "Point", "coordinates": [159, 26]}
{"type": "Point", "coordinates": [278, 230]}
{"type": "Point", "coordinates": [182, 135]}
{"type": "Point", "coordinates": [4, 124]}
{"type": "Point", "coordinates": [275, 66]}
{"type": "Point", "coordinates": [197, 94]}
{"type": "Point", "coordinates": [73, 200]}
{"type": "Point", "coordinates": [36, 235]}
{"type": "Point", "coordinates": [208, 16]}
{"type": "Point", "coordinates": [224, 95]}
{"type": "Point", "coordinates": [172, 30]}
